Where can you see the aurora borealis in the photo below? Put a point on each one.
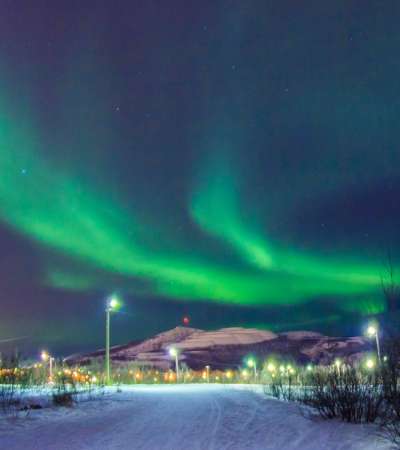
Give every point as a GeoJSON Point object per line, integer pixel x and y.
{"type": "Point", "coordinates": [236, 163]}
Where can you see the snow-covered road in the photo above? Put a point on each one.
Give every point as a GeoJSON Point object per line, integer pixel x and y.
{"type": "Point", "coordinates": [188, 417]}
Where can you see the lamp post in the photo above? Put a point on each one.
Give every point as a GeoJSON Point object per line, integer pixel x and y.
{"type": "Point", "coordinates": [251, 363]}
{"type": "Point", "coordinates": [208, 373]}
{"type": "Point", "coordinates": [373, 332]}
{"type": "Point", "coordinates": [46, 357]}
{"type": "Point", "coordinates": [174, 353]}
{"type": "Point", "coordinates": [112, 305]}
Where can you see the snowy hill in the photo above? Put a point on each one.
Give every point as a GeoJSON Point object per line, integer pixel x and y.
{"type": "Point", "coordinates": [228, 347]}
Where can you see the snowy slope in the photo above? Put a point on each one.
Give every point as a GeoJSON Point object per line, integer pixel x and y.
{"type": "Point", "coordinates": [229, 346]}
{"type": "Point", "coordinates": [225, 336]}
{"type": "Point", "coordinates": [182, 417]}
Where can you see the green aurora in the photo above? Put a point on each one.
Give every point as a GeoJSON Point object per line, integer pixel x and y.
{"type": "Point", "coordinates": [102, 232]}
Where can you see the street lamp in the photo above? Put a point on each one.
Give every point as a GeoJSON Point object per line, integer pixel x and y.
{"type": "Point", "coordinates": [46, 357]}
{"type": "Point", "coordinates": [112, 306]}
{"type": "Point", "coordinates": [174, 353]}
{"type": "Point", "coordinates": [252, 364]}
{"type": "Point", "coordinates": [370, 364]}
{"type": "Point", "coordinates": [208, 373]}
{"type": "Point", "coordinates": [373, 332]}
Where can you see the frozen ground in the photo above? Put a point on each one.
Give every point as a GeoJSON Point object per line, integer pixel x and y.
{"type": "Point", "coordinates": [195, 417]}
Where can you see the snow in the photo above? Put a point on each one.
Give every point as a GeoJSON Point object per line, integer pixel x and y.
{"type": "Point", "coordinates": [199, 347]}
{"type": "Point", "coordinates": [159, 341]}
{"type": "Point", "coordinates": [225, 336]}
{"type": "Point", "coordinates": [299, 335]}
{"type": "Point", "coordinates": [180, 417]}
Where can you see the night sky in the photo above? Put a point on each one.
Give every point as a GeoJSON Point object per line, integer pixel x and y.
{"type": "Point", "coordinates": [234, 161]}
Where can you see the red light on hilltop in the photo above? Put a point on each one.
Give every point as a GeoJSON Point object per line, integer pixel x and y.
{"type": "Point", "coordinates": [186, 321]}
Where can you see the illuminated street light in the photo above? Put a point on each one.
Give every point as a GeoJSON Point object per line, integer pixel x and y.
{"type": "Point", "coordinates": [208, 373]}
{"type": "Point", "coordinates": [112, 306]}
{"type": "Point", "coordinates": [271, 367]}
{"type": "Point", "coordinates": [252, 364]}
{"type": "Point", "coordinates": [373, 332]}
{"type": "Point", "coordinates": [173, 351]}
{"type": "Point", "coordinates": [113, 303]}
{"type": "Point", "coordinates": [45, 357]}
{"type": "Point", "coordinates": [370, 363]}
{"type": "Point", "coordinates": [309, 367]}
{"type": "Point", "coordinates": [338, 363]}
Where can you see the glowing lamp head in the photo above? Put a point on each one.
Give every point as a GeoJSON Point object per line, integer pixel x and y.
{"type": "Point", "coordinates": [370, 364]}
{"type": "Point", "coordinates": [271, 367]}
{"type": "Point", "coordinates": [251, 362]}
{"type": "Point", "coordinates": [338, 363]}
{"type": "Point", "coordinates": [309, 367]}
{"type": "Point", "coordinates": [113, 303]}
{"type": "Point", "coordinates": [173, 352]}
{"type": "Point", "coordinates": [372, 330]}
{"type": "Point", "coordinates": [44, 355]}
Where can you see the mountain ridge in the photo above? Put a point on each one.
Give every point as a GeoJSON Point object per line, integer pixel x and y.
{"type": "Point", "coordinates": [228, 347]}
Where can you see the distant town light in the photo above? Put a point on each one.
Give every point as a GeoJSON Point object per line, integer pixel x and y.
{"type": "Point", "coordinates": [250, 362]}
{"type": "Point", "coordinates": [370, 363]}
{"type": "Point", "coordinates": [271, 367]}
